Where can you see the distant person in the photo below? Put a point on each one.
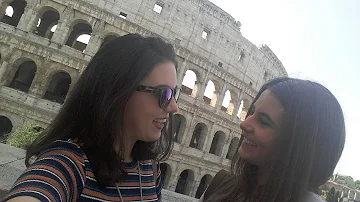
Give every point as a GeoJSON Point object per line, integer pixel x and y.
{"type": "Point", "coordinates": [105, 142]}
{"type": "Point", "coordinates": [292, 139]}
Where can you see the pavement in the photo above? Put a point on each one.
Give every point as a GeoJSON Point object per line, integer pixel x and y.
{"type": "Point", "coordinates": [12, 164]}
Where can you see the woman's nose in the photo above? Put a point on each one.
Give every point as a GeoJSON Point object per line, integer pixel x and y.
{"type": "Point", "coordinates": [247, 124]}
{"type": "Point", "coordinates": [172, 107]}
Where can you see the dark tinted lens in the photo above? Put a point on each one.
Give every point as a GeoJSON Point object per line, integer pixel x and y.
{"type": "Point", "coordinates": [166, 97]}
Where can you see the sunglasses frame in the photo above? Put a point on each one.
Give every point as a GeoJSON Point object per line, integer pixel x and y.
{"type": "Point", "coordinates": [158, 92]}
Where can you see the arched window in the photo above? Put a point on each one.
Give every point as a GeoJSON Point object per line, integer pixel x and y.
{"type": "Point", "coordinates": [185, 181]}
{"type": "Point", "coordinates": [14, 12]}
{"type": "Point", "coordinates": [5, 127]}
{"type": "Point", "coordinates": [227, 105]}
{"type": "Point", "coordinates": [198, 137]}
{"type": "Point", "coordinates": [210, 97]}
{"type": "Point", "coordinates": [189, 84]}
{"type": "Point", "coordinates": [204, 183]}
{"type": "Point", "coordinates": [217, 143]}
{"type": "Point", "coordinates": [165, 174]}
{"type": "Point", "coordinates": [244, 107]}
{"type": "Point", "coordinates": [24, 76]}
{"type": "Point", "coordinates": [179, 127]}
{"type": "Point", "coordinates": [58, 87]}
{"type": "Point", "coordinates": [79, 36]}
{"type": "Point", "coordinates": [47, 23]}
{"type": "Point", "coordinates": [232, 148]}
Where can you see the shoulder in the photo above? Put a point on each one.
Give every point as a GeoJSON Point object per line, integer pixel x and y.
{"type": "Point", "coordinates": [63, 148]}
{"type": "Point", "coordinates": [57, 173]}
{"type": "Point", "coordinates": [311, 197]}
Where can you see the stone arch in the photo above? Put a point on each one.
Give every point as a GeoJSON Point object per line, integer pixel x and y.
{"type": "Point", "coordinates": [244, 107]}
{"type": "Point", "coordinates": [166, 172]}
{"type": "Point", "coordinates": [190, 83]}
{"type": "Point", "coordinates": [6, 127]}
{"type": "Point", "coordinates": [24, 76]}
{"type": "Point", "coordinates": [204, 183]}
{"type": "Point", "coordinates": [58, 87]}
{"type": "Point", "coordinates": [217, 143]}
{"type": "Point", "coordinates": [198, 137]}
{"type": "Point", "coordinates": [211, 94]}
{"type": "Point", "coordinates": [232, 148]}
{"type": "Point", "coordinates": [17, 8]}
{"type": "Point", "coordinates": [80, 28]}
{"type": "Point", "coordinates": [47, 22]}
{"type": "Point", "coordinates": [185, 182]}
{"type": "Point", "coordinates": [108, 38]}
{"type": "Point", "coordinates": [179, 127]}
{"type": "Point", "coordinates": [227, 105]}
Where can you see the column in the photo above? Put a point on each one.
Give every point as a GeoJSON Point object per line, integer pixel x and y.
{"type": "Point", "coordinates": [63, 28]}
{"type": "Point", "coordinates": [181, 72]}
{"type": "Point", "coordinates": [174, 178]}
{"type": "Point", "coordinates": [227, 145]}
{"type": "Point", "coordinates": [28, 20]}
{"type": "Point", "coordinates": [202, 87]}
{"type": "Point", "coordinates": [189, 132]}
{"type": "Point", "coordinates": [195, 185]}
{"type": "Point", "coordinates": [237, 106]}
{"type": "Point", "coordinates": [2, 11]}
{"type": "Point", "coordinates": [3, 68]}
{"type": "Point", "coordinates": [95, 40]}
{"type": "Point", "coordinates": [209, 139]}
{"type": "Point", "coordinates": [221, 98]}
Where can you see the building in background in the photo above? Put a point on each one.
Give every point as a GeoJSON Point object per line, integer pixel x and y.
{"type": "Point", "coordinates": [45, 46]}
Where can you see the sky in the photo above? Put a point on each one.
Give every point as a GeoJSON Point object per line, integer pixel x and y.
{"type": "Point", "coordinates": [316, 40]}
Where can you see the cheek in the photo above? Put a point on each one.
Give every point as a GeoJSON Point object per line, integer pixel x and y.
{"type": "Point", "coordinates": [268, 142]}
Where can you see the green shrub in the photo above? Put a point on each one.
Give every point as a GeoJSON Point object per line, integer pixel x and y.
{"type": "Point", "coordinates": [24, 135]}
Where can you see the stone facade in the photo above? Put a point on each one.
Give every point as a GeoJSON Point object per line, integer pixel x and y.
{"type": "Point", "coordinates": [38, 66]}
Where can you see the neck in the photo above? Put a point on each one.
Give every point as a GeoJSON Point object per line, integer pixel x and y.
{"type": "Point", "coordinates": [125, 151]}
{"type": "Point", "coordinates": [263, 175]}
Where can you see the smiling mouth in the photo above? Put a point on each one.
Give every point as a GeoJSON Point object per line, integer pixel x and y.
{"type": "Point", "coordinates": [159, 123]}
{"type": "Point", "coordinates": [250, 143]}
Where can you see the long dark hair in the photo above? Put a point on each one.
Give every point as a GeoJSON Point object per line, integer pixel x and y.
{"type": "Point", "coordinates": [94, 110]}
{"type": "Point", "coordinates": [307, 151]}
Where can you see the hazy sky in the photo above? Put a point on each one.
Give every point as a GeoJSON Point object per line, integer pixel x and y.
{"type": "Point", "coordinates": [316, 40]}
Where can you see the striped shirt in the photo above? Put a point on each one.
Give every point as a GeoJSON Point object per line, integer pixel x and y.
{"type": "Point", "coordinates": [63, 173]}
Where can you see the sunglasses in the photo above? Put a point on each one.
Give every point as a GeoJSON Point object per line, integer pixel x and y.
{"type": "Point", "coordinates": [164, 93]}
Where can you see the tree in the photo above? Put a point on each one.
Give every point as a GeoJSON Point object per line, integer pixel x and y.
{"type": "Point", "coordinates": [347, 181]}
{"type": "Point", "coordinates": [357, 184]}
{"type": "Point", "coordinates": [24, 135]}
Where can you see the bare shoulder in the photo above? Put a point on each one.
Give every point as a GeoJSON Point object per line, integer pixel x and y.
{"type": "Point", "coordinates": [23, 198]}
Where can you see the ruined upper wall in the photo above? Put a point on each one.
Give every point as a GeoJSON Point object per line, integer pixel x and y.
{"type": "Point", "coordinates": [184, 21]}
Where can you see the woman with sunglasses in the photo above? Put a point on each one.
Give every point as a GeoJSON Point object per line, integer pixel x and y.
{"type": "Point", "coordinates": [292, 139]}
{"type": "Point", "coordinates": [113, 127]}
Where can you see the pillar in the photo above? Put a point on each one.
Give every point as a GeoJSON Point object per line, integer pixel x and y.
{"type": "Point", "coordinates": [174, 178]}
{"type": "Point", "coordinates": [226, 145]}
{"type": "Point", "coordinates": [181, 72]}
{"type": "Point", "coordinates": [63, 28]}
{"type": "Point", "coordinates": [221, 98]}
{"type": "Point", "coordinates": [209, 139]}
{"type": "Point", "coordinates": [195, 185]}
{"type": "Point", "coordinates": [3, 68]}
{"type": "Point", "coordinates": [202, 87]}
{"type": "Point", "coordinates": [237, 106]}
{"type": "Point", "coordinates": [28, 20]}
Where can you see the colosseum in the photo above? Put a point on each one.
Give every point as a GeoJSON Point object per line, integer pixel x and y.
{"type": "Point", "coordinates": [46, 44]}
